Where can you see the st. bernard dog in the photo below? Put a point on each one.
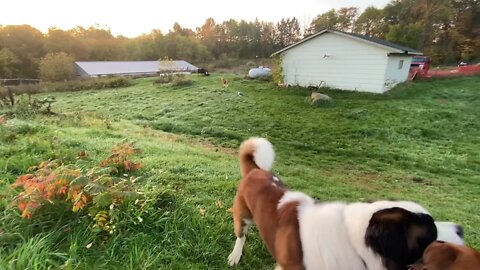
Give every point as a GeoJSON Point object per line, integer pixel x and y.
{"type": "Point", "coordinates": [301, 233]}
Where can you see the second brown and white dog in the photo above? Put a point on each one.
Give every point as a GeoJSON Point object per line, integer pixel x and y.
{"type": "Point", "coordinates": [301, 233]}
{"type": "Point", "coordinates": [441, 255]}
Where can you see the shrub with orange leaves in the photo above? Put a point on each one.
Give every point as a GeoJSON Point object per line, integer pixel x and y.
{"type": "Point", "coordinates": [120, 158]}
{"type": "Point", "coordinates": [81, 187]}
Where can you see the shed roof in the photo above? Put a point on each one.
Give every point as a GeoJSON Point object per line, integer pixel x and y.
{"type": "Point", "coordinates": [130, 67]}
{"type": "Point", "coordinates": [374, 41]}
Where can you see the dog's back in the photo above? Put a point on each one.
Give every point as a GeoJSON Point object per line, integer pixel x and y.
{"type": "Point", "coordinates": [324, 236]}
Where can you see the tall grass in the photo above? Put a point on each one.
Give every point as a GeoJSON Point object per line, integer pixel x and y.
{"type": "Point", "coordinates": [37, 252]}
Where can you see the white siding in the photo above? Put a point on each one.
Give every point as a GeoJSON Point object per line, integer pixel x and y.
{"type": "Point", "coordinates": [394, 73]}
{"type": "Point", "coordinates": [350, 64]}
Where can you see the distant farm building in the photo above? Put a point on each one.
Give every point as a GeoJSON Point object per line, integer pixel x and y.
{"type": "Point", "coordinates": [130, 68]}
{"type": "Point", "coordinates": [346, 61]}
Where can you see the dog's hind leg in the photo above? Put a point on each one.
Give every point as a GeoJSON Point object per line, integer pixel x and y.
{"type": "Point", "coordinates": [242, 220]}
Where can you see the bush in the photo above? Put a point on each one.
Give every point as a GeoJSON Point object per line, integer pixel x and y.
{"type": "Point", "coordinates": [268, 78]}
{"type": "Point", "coordinates": [26, 106]}
{"type": "Point", "coordinates": [87, 84]}
{"type": "Point", "coordinates": [176, 79]}
{"type": "Point", "coordinates": [100, 190]}
{"type": "Point", "coordinates": [164, 78]}
{"type": "Point", "coordinates": [224, 63]}
{"type": "Point", "coordinates": [181, 82]}
{"type": "Point", "coordinates": [26, 89]}
{"type": "Point", "coordinates": [5, 99]}
{"type": "Point", "coordinates": [57, 67]}
{"type": "Point", "coordinates": [277, 71]}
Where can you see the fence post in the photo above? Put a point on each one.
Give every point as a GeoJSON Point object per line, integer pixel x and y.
{"type": "Point", "coordinates": [10, 95]}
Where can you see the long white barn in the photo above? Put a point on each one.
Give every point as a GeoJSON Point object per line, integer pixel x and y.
{"type": "Point", "coordinates": [129, 68]}
{"type": "Point", "coordinates": [346, 61]}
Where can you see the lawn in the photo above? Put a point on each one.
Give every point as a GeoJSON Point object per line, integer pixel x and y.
{"type": "Point", "coordinates": [418, 142]}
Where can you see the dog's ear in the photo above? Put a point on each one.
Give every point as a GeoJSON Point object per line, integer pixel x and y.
{"type": "Point", "coordinates": [399, 236]}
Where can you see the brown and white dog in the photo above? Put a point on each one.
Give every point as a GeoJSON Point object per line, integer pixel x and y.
{"type": "Point", "coordinates": [441, 255]}
{"type": "Point", "coordinates": [301, 233]}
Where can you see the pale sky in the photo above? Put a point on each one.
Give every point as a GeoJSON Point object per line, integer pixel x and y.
{"type": "Point", "coordinates": [132, 18]}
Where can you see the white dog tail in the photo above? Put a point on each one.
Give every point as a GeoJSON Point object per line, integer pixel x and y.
{"type": "Point", "coordinates": [256, 153]}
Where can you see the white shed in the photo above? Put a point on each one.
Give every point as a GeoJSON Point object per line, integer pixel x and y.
{"type": "Point", "coordinates": [346, 61]}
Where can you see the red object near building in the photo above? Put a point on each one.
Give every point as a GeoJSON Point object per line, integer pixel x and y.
{"type": "Point", "coordinates": [419, 66]}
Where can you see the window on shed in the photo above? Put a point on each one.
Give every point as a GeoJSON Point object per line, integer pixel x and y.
{"type": "Point", "coordinates": [400, 64]}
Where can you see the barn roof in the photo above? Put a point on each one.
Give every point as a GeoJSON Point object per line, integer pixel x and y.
{"type": "Point", "coordinates": [131, 67]}
{"type": "Point", "coordinates": [375, 41]}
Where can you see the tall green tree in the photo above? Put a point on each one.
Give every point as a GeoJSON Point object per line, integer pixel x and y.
{"type": "Point", "coordinates": [56, 67]}
{"type": "Point", "coordinates": [327, 20]}
{"type": "Point", "coordinates": [179, 30]}
{"type": "Point", "coordinates": [208, 35]}
{"type": "Point", "coordinates": [57, 40]}
{"type": "Point", "coordinates": [342, 19]}
{"type": "Point", "coordinates": [371, 23]}
{"type": "Point", "coordinates": [287, 32]}
{"type": "Point", "coordinates": [147, 46]}
{"type": "Point", "coordinates": [346, 17]}
{"type": "Point", "coordinates": [465, 29]}
{"type": "Point", "coordinates": [27, 43]}
{"type": "Point", "coordinates": [400, 12]}
{"type": "Point", "coordinates": [407, 35]}
{"type": "Point", "coordinates": [267, 39]}
{"type": "Point", "coordinates": [9, 64]}
{"type": "Point", "coordinates": [430, 13]}
{"type": "Point", "coordinates": [226, 38]}
{"type": "Point", "coordinates": [100, 43]}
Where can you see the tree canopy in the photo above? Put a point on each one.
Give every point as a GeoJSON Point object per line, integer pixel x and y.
{"type": "Point", "coordinates": [446, 30]}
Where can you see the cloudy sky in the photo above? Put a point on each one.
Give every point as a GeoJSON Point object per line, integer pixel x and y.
{"type": "Point", "coordinates": [132, 18]}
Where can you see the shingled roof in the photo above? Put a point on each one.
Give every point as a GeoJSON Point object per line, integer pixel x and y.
{"type": "Point", "coordinates": [394, 47]}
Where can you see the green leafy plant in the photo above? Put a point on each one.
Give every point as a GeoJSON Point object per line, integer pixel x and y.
{"type": "Point", "coordinates": [163, 79]}
{"type": "Point", "coordinates": [57, 67]}
{"type": "Point", "coordinates": [181, 81]}
{"type": "Point", "coordinates": [277, 72]}
{"type": "Point", "coordinates": [96, 189]}
{"type": "Point", "coordinates": [87, 84]}
{"type": "Point", "coordinates": [26, 106]}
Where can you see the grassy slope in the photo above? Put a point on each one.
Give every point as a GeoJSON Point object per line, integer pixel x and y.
{"type": "Point", "coordinates": [419, 142]}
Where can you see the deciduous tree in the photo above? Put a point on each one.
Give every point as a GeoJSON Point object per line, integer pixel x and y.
{"type": "Point", "coordinates": [287, 32]}
{"type": "Point", "coordinates": [55, 67]}
{"type": "Point", "coordinates": [26, 43]}
{"type": "Point", "coordinates": [8, 64]}
{"type": "Point", "coordinates": [371, 23]}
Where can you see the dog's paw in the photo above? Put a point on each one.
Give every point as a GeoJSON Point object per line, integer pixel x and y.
{"type": "Point", "coordinates": [234, 257]}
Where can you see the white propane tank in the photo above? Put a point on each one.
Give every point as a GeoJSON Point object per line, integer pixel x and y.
{"type": "Point", "coordinates": [259, 72]}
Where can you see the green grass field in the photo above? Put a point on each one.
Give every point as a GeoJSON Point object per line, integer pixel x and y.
{"type": "Point", "coordinates": [418, 142]}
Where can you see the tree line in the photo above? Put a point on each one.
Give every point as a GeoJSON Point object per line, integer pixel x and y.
{"type": "Point", "coordinates": [446, 30]}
